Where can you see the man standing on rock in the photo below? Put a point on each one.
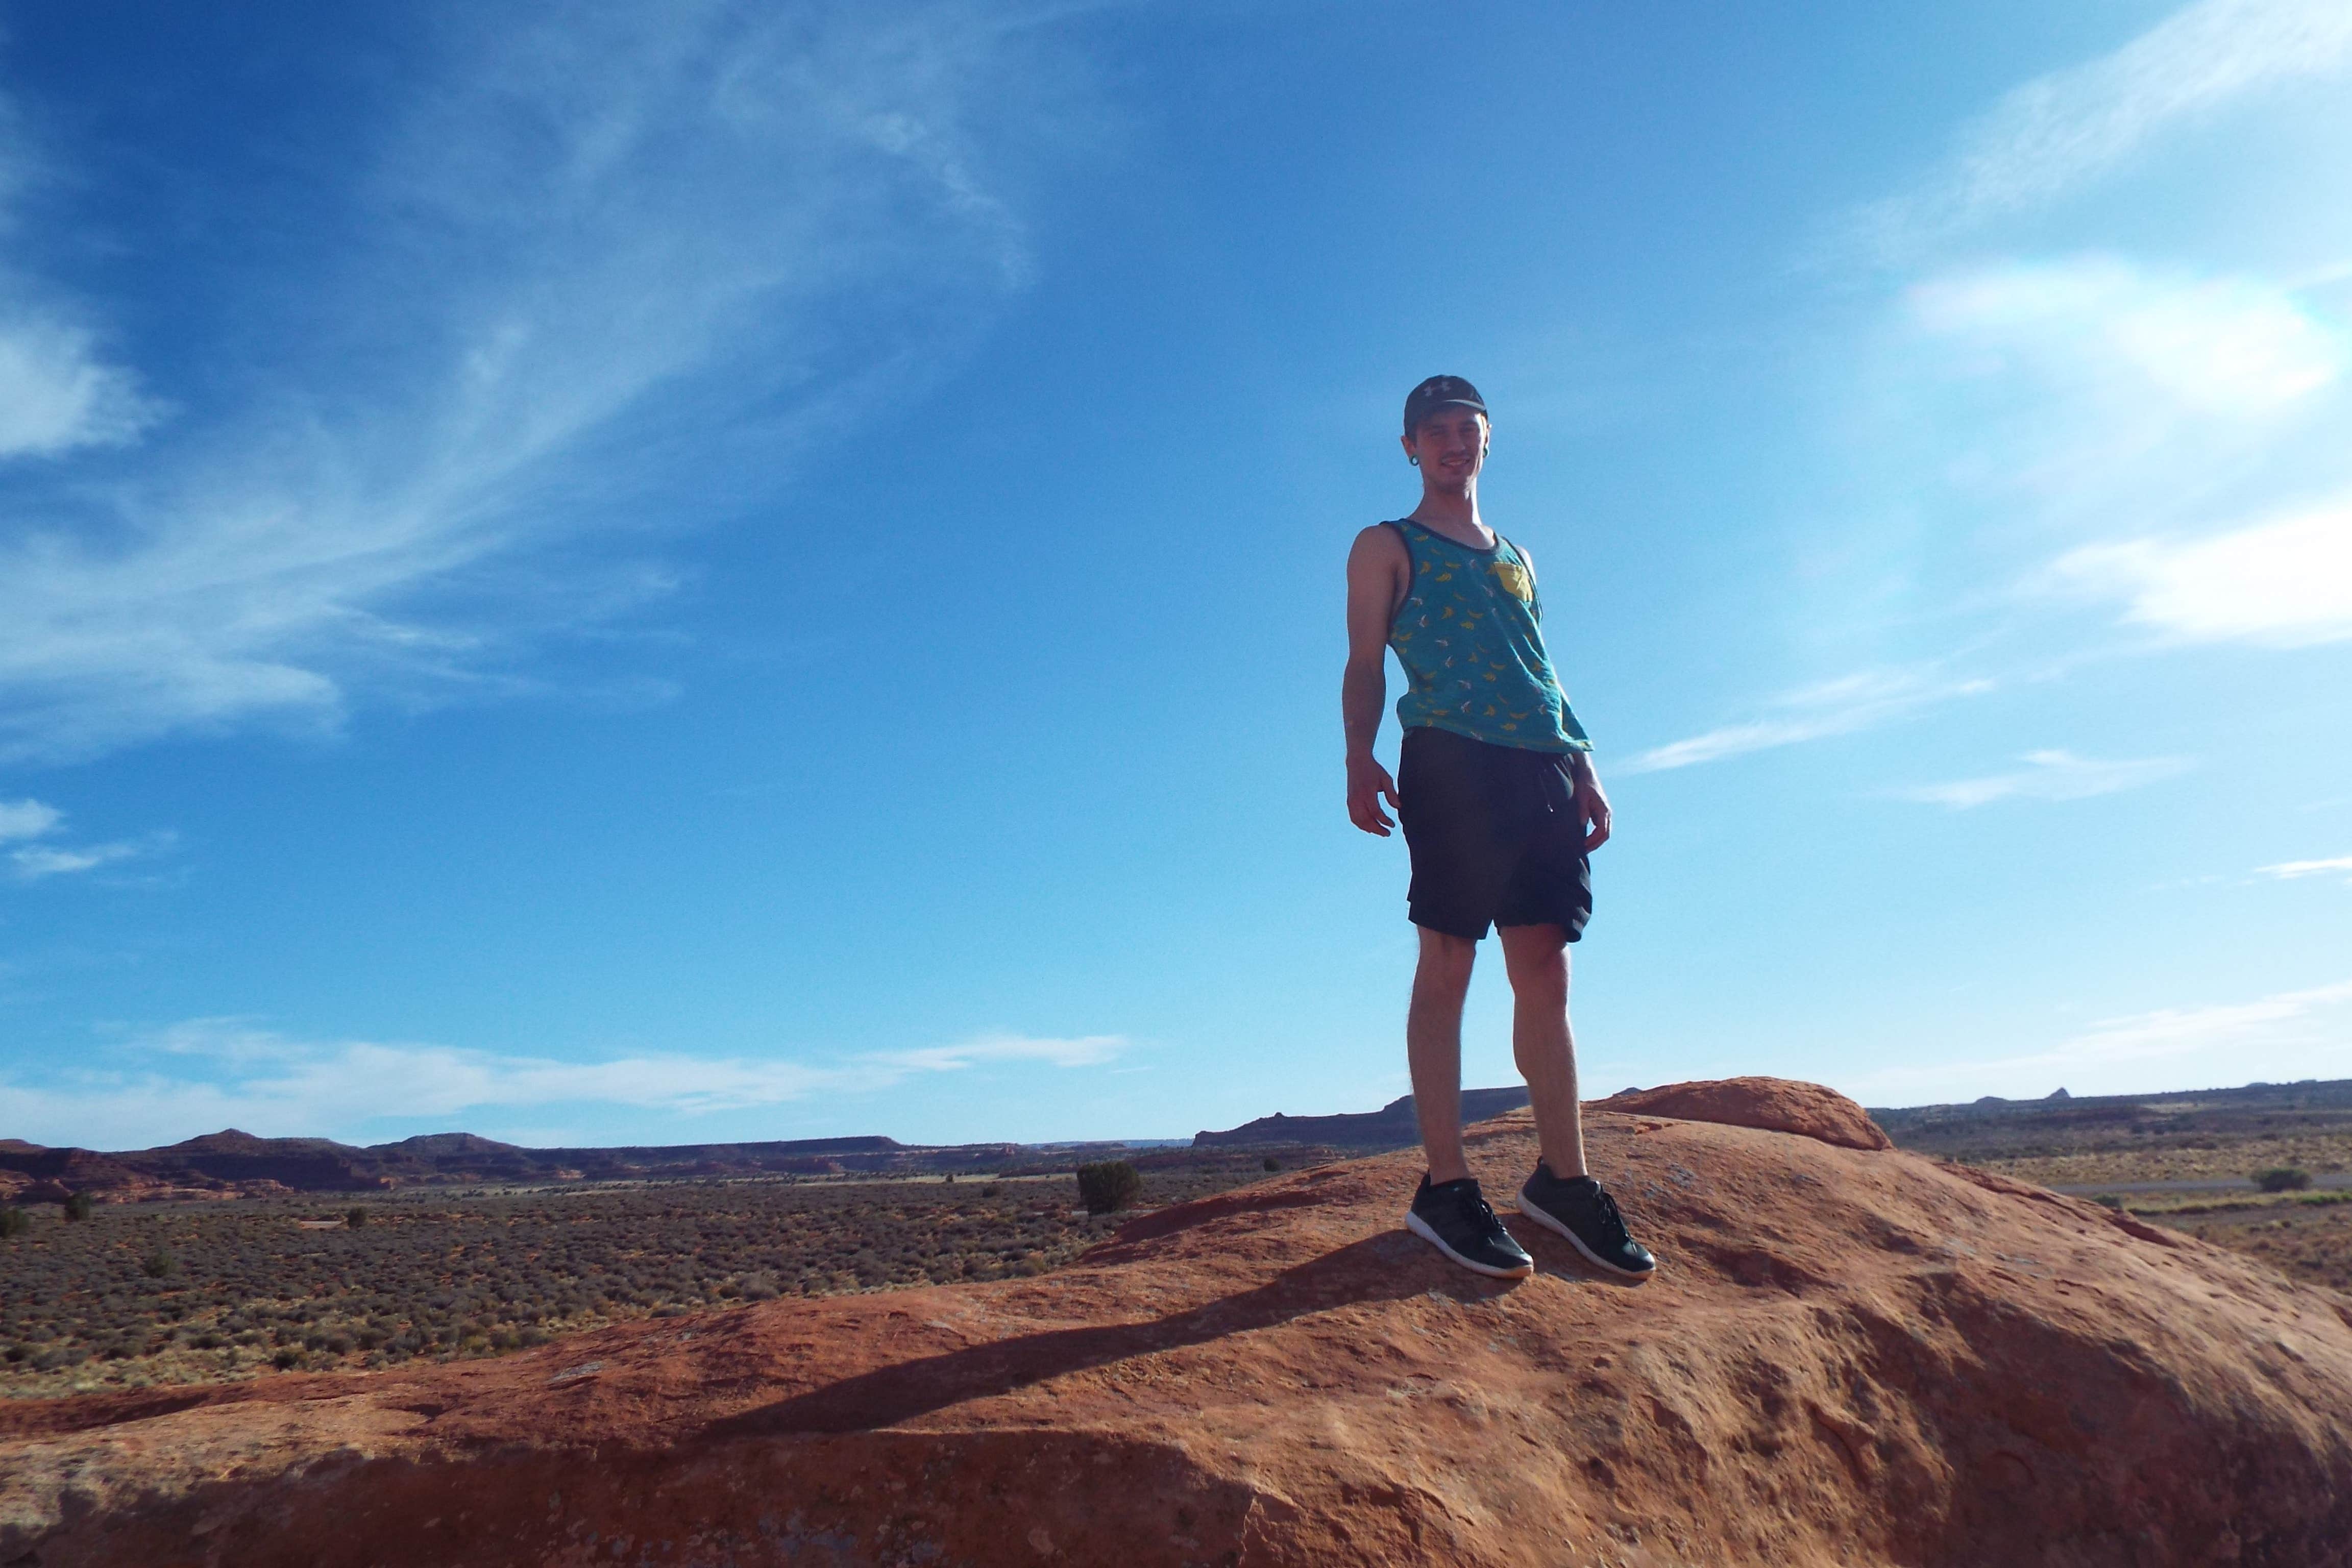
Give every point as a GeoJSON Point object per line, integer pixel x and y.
{"type": "Point", "coordinates": [1501, 809]}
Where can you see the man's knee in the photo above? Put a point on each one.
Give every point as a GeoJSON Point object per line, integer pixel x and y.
{"type": "Point", "coordinates": [1445, 961]}
{"type": "Point", "coordinates": [1538, 969]}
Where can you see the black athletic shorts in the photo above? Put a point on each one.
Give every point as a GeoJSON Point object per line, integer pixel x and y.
{"type": "Point", "coordinates": [1495, 837]}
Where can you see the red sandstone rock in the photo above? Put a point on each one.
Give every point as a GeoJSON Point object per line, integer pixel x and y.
{"type": "Point", "coordinates": [1848, 1357]}
{"type": "Point", "coordinates": [1774, 1104]}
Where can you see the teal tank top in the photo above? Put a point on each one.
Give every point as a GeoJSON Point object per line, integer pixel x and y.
{"type": "Point", "coordinates": [1470, 637]}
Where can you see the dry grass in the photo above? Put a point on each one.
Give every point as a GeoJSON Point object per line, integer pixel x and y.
{"type": "Point", "coordinates": [2312, 1242]}
{"type": "Point", "coordinates": [2212, 1158]}
{"type": "Point", "coordinates": [2171, 1205]}
{"type": "Point", "coordinates": [195, 1292]}
{"type": "Point", "coordinates": [2217, 1136]}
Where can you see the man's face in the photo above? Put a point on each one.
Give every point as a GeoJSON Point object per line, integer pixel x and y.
{"type": "Point", "coordinates": [1450, 444]}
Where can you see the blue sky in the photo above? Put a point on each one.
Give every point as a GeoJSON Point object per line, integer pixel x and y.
{"type": "Point", "coordinates": [676, 572]}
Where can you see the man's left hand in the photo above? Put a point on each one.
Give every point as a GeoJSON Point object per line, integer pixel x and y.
{"type": "Point", "coordinates": [1592, 803]}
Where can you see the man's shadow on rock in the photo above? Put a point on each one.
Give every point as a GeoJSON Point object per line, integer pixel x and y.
{"type": "Point", "coordinates": [1390, 1267]}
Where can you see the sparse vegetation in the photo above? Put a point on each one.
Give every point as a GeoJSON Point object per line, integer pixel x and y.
{"type": "Point", "coordinates": [2290, 1137]}
{"type": "Point", "coordinates": [14, 1222]}
{"type": "Point", "coordinates": [2218, 1136]}
{"type": "Point", "coordinates": [355, 1217]}
{"type": "Point", "coordinates": [1107, 1186]}
{"type": "Point", "coordinates": [260, 1285]}
{"type": "Point", "coordinates": [2311, 1241]}
{"type": "Point", "coordinates": [77, 1208]}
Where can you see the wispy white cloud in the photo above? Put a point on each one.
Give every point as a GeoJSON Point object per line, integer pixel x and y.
{"type": "Point", "coordinates": [2053, 395]}
{"type": "Point", "coordinates": [1087, 1051]}
{"type": "Point", "coordinates": [2278, 1037]}
{"type": "Point", "coordinates": [2008, 411]}
{"type": "Point", "coordinates": [2293, 870]}
{"type": "Point", "coordinates": [1841, 707]}
{"type": "Point", "coordinates": [57, 392]}
{"type": "Point", "coordinates": [2014, 417]}
{"type": "Point", "coordinates": [209, 1073]}
{"type": "Point", "coordinates": [2232, 345]}
{"type": "Point", "coordinates": [28, 819]}
{"type": "Point", "coordinates": [2307, 1014]}
{"type": "Point", "coordinates": [2049, 776]}
{"type": "Point", "coordinates": [607, 240]}
{"type": "Point", "coordinates": [2284, 583]}
{"type": "Point", "coordinates": [2052, 134]}
{"type": "Point", "coordinates": [32, 819]}
{"type": "Point", "coordinates": [32, 863]}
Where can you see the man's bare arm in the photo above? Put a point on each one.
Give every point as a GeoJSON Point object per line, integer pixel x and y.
{"type": "Point", "coordinates": [1378, 568]}
{"type": "Point", "coordinates": [1592, 799]}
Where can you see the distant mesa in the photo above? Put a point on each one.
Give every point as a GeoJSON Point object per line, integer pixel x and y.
{"type": "Point", "coordinates": [234, 1164]}
{"type": "Point", "coordinates": [450, 1146]}
{"type": "Point", "coordinates": [1916, 1126]}
{"type": "Point", "coordinates": [1393, 1126]}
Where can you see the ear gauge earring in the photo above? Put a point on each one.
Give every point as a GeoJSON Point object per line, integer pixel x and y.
{"type": "Point", "coordinates": [1414, 461]}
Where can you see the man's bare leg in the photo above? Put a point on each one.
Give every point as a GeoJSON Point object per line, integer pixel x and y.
{"type": "Point", "coordinates": [1432, 1046]}
{"type": "Point", "coordinates": [1537, 960]}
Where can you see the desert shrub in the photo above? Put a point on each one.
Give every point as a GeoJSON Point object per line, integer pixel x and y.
{"type": "Point", "coordinates": [2283, 1179]}
{"type": "Point", "coordinates": [158, 1264]}
{"type": "Point", "coordinates": [1272, 1163]}
{"type": "Point", "coordinates": [355, 1216]}
{"type": "Point", "coordinates": [1107, 1186]}
{"type": "Point", "coordinates": [14, 1222]}
{"type": "Point", "coordinates": [285, 1360]}
{"type": "Point", "coordinates": [991, 1190]}
{"type": "Point", "coordinates": [2108, 1200]}
{"type": "Point", "coordinates": [76, 1206]}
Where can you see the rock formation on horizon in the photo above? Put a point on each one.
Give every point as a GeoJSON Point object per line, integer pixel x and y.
{"type": "Point", "coordinates": [1393, 1126]}
{"type": "Point", "coordinates": [1851, 1355]}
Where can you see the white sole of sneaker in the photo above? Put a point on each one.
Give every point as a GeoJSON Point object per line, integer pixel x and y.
{"type": "Point", "coordinates": [1548, 1223]}
{"type": "Point", "coordinates": [1421, 1229]}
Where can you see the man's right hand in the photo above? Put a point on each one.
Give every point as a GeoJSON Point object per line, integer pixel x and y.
{"type": "Point", "coordinates": [1368, 781]}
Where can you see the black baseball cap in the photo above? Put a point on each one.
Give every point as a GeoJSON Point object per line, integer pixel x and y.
{"type": "Point", "coordinates": [1439, 392]}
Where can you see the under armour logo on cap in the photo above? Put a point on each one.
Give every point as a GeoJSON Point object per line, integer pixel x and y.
{"type": "Point", "coordinates": [1439, 392]}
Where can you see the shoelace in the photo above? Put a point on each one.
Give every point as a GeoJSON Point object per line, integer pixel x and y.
{"type": "Point", "coordinates": [1612, 1223]}
{"type": "Point", "coordinates": [1475, 1209]}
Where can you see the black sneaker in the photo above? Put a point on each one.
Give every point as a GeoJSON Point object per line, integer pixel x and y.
{"type": "Point", "coordinates": [1581, 1210]}
{"type": "Point", "coordinates": [1454, 1218]}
